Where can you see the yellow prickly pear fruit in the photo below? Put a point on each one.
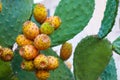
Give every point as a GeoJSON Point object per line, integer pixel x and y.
{"type": "Point", "coordinates": [6, 54]}
{"type": "Point", "coordinates": [42, 42]}
{"type": "Point", "coordinates": [21, 40]}
{"type": "Point", "coordinates": [30, 30]}
{"type": "Point", "coordinates": [42, 74]}
{"type": "Point", "coordinates": [54, 20]}
{"type": "Point", "coordinates": [68, 64]}
{"type": "Point", "coordinates": [0, 6]}
{"type": "Point", "coordinates": [41, 62]}
{"type": "Point", "coordinates": [28, 52]}
{"type": "Point", "coordinates": [46, 28]}
{"type": "Point", "coordinates": [66, 51]}
{"type": "Point", "coordinates": [53, 63]}
{"type": "Point", "coordinates": [40, 13]}
{"type": "Point", "coordinates": [27, 65]}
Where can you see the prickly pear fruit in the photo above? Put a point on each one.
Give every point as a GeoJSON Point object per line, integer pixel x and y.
{"type": "Point", "coordinates": [21, 40]}
{"type": "Point", "coordinates": [68, 64]}
{"type": "Point", "coordinates": [42, 74]}
{"type": "Point", "coordinates": [6, 54]}
{"type": "Point", "coordinates": [54, 20]}
{"type": "Point", "coordinates": [27, 65]}
{"type": "Point", "coordinates": [0, 6]}
{"type": "Point", "coordinates": [46, 28]}
{"type": "Point", "coordinates": [28, 52]}
{"type": "Point", "coordinates": [30, 30]}
{"type": "Point", "coordinates": [53, 63]}
{"type": "Point", "coordinates": [42, 42]}
{"type": "Point", "coordinates": [40, 13]}
{"type": "Point", "coordinates": [66, 50]}
{"type": "Point", "coordinates": [41, 62]}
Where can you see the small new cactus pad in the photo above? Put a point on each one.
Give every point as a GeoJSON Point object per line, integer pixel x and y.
{"type": "Point", "coordinates": [53, 63]}
{"type": "Point", "coordinates": [74, 16]}
{"type": "Point", "coordinates": [12, 16]}
{"type": "Point", "coordinates": [6, 54]}
{"type": "Point", "coordinates": [21, 40]}
{"type": "Point", "coordinates": [91, 57]}
{"type": "Point", "coordinates": [42, 74]}
{"type": "Point", "coordinates": [40, 12]}
{"type": "Point", "coordinates": [46, 28]}
{"type": "Point", "coordinates": [41, 61]}
{"type": "Point", "coordinates": [66, 51]}
{"type": "Point", "coordinates": [54, 20]}
{"type": "Point", "coordinates": [110, 73]}
{"type": "Point", "coordinates": [30, 30]}
{"type": "Point", "coordinates": [28, 52]}
{"type": "Point", "coordinates": [109, 18]}
{"type": "Point", "coordinates": [60, 73]}
{"type": "Point", "coordinates": [42, 42]}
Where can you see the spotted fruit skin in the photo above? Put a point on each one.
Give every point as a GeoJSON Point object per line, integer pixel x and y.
{"type": "Point", "coordinates": [42, 74]}
{"type": "Point", "coordinates": [27, 65]}
{"type": "Point", "coordinates": [66, 51]}
{"type": "Point", "coordinates": [41, 62]}
{"type": "Point", "coordinates": [46, 28]}
{"type": "Point", "coordinates": [54, 20]}
{"type": "Point", "coordinates": [42, 42]}
{"type": "Point", "coordinates": [0, 6]}
{"type": "Point", "coordinates": [40, 13]}
{"type": "Point", "coordinates": [21, 40]}
{"type": "Point", "coordinates": [53, 63]}
{"type": "Point", "coordinates": [28, 52]}
{"type": "Point", "coordinates": [6, 54]}
{"type": "Point", "coordinates": [30, 30]}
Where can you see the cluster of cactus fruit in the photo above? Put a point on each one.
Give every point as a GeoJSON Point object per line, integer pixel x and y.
{"type": "Point", "coordinates": [36, 34]}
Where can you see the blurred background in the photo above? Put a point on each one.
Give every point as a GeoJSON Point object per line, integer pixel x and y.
{"type": "Point", "coordinates": [91, 29]}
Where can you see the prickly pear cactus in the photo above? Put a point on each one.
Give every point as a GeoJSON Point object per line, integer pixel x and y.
{"type": "Point", "coordinates": [14, 13]}
{"type": "Point", "coordinates": [74, 16]}
{"type": "Point", "coordinates": [91, 57]}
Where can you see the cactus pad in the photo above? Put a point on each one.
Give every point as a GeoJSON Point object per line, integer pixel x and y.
{"type": "Point", "coordinates": [91, 57]}
{"type": "Point", "coordinates": [14, 13]}
{"type": "Point", "coordinates": [74, 16]}
{"type": "Point", "coordinates": [109, 18]}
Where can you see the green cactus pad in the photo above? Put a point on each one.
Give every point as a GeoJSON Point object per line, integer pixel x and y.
{"type": "Point", "coordinates": [5, 70]}
{"type": "Point", "coordinates": [109, 18]}
{"type": "Point", "coordinates": [14, 14]}
{"type": "Point", "coordinates": [110, 72]}
{"type": "Point", "coordinates": [116, 45]}
{"type": "Point", "coordinates": [18, 72]}
{"type": "Point", "coordinates": [62, 72]}
{"type": "Point", "coordinates": [75, 15]}
{"type": "Point", "coordinates": [91, 57]}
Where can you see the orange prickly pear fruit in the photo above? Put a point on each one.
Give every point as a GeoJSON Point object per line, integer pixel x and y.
{"type": "Point", "coordinates": [21, 40]}
{"type": "Point", "coordinates": [6, 54]}
{"type": "Point", "coordinates": [53, 63]}
{"type": "Point", "coordinates": [30, 30]}
{"type": "Point", "coordinates": [0, 6]}
{"type": "Point", "coordinates": [46, 28]}
{"type": "Point", "coordinates": [54, 20]}
{"type": "Point", "coordinates": [28, 52]}
{"type": "Point", "coordinates": [42, 42]}
{"type": "Point", "coordinates": [66, 51]}
{"type": "Point", "coordinates": [40, 13]}
{"type": "Point", "coordinates": [27, 65]}
{"type": "Point", "coordinates": [41, 62]}
{"type": "Point", "coordinates": [42, 74]}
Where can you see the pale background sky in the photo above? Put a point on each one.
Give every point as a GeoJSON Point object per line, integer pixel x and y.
{"type": "Point", "coordinates": [93, 28]}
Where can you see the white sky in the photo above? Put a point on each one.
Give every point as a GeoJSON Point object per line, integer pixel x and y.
{"type": "Point", "coordinates": [35, 1]}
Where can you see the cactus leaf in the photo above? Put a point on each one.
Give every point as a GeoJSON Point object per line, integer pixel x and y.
{"type": "Point", "coordinates": [14, 13]}
{"type": "Point", "coordinates": [109, 18]}
{"type": "Point", "coordinates": [21, 74]}
{"type": "Point", "coordinates": [110, 73]}
{"type": "Point", "coordinates": [62, 72]}
{"type": "Point", "coordinates": [91, 57]}
{"type": "Point", "coordinates": [116, 45]}
{"type": "Point", "coordinates": [74, 16]}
